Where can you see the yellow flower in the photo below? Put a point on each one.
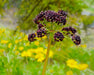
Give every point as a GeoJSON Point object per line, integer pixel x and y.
{"type": "Point", "coordinates": [39, 55]}
{"type": "Point", "coordinates": [82, 66]}
{"type": "Point", "coordinates": [39, 50]}
{"type": "Point", "coordinates": [40, 59]}
{"type": "Point", "coordinates": [26, 54]}
{"type": "Point", "coordinates": [46, 45]}
{"type": "Point", "coordinates": [51, 71]}
{"type": "Point", "coordinates": [9, 45]}
{"type": "Point", "coordinates": [38, 38]}
{"type": "Point", "coordinates": [26, 38]}
{"type": "Point", "coordinates": [44, 37]}
{"type": "Point", "coordinates": [50, 54]}
{"type": "Point", "coordinates": [35, 33]}
{"type": "Point", "coordinates": [1, 50]}
{"type": "Point", "coordinates": [27, 44]}
{"type": "Point", "coordinates": [1, 31]}
{"type": "Point", "coordinates": [71, 63]}
{"type": "Point", "coordinates": [83, 46]}
{"type": "Point", "coordinates": [32, 50]}
{"type": "Point", "coordinates": [36, 43]}
{"type": "Point", "coordinates": [20, 40]}
{"type": "Point", "coordinates": [17, 52]}
{"type": "Point", "coordinates": [17, 27]}
{"type": "Point", "coordinates": [21, 33]}
{"type": "Point", "coordinates": [69, 73]}
{"type": "Point", "coordinates": [21, 48]}
{"type": "Point", "coordinates": [71, 45]}
{"type": "Point", "coordinates": [16, 41]}
{"type": "Point", "coordinates": [4, 41]}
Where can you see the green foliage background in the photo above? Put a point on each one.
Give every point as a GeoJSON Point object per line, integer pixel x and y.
{"type": "Point", "coordinates": [28, 9]}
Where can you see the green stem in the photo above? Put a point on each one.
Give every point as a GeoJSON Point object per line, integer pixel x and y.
{"type": "Point", "coordinates": [47, 55]}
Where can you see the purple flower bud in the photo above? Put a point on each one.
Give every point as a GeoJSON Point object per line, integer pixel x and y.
{"type": "Point", "coordinates": [76, 39]}
{"type": "Point", "coordinates": [36, 21]}
{"type": "Point", "coordinates": [62, 20]}
{"type": "Point", "coordinates": [41, 32]}
{"type": "Point", "coordinates": [62, 13]}
{"type": "Point", "coordinates": [66, 29]}
{"type": "Point", "coordinates": [40, 26]}
{"type": "Point", "coordinates": [31, 37]}
{"type": "Point", "coordinates": [58, 36]}
{"type": "Point", "coordinates": [73, 30]}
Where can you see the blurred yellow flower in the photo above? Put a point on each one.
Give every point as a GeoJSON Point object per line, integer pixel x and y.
{"type": "Point", "coordinates": [21, 33]}
{"type": "Point", "coordinates": [36, 43]}
{"type": "Point", "coordinates": [1, 31]}
{"type": "Point", "coordinates": [39, 55]}
{"type": "Point", "coordinates": [17, 52]}
{"type": "Point", "coordinates": [9, 45]}
{"type": "Point", "coordinates": [71, 45]}
{"type": "Point", "coordinates": [1, 50]}
{"type": "Point", "coordinates": [51, 71]}
{"type": "Point", "coordinates": [69, 73]}
{"type": "Point", "coordinates": [40, 59]}
{"type": "Point", "coordinates": [16, 41]}
{"type": "Point", "coordinates": [4, 41]}
{"type": "Point", "coordinates": [50, 54]}
{"type": "Point", "coordinates": [35, 33]}
{"type": "Point", "coordinates": [82, 66]}
{"type": "Point", "coordinates": [21, 48]}
{"type": "Point", "coordinates": [38, 38]}
{"type": "Point", "coordinates": [27, 44]}
{"type": "Point", "coordinates": [46, 45]}
{"type": "Point", "coordinates": [20, 40]}
{"type": "Point", "coordinates": [71, 63]}
{"type": "Point", "coordinates": [39, 50]}
{"type": "Point", "coordinates": [26, 38]}
{"type": "Point", "coordinates": [83, 46]}
{"type": "Point", "coordinates": [44, 37]}
{"type": "Point", "coordinates": [26, 54]}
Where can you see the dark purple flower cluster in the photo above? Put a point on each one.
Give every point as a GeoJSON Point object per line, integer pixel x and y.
{"type": "Point", "coordinates": [57, 17]}
{"type": "Point", "coordinates": [40, 26]}
{"type": "Point", "coordinates": [76, 39]}
{"type": "Point", "coordinates": [73, 30]}
{"type": "Point", "coordinates": [62, 13]}
{"type": "Point", "coordinates": [52, 16]}
{"type": "Point", "coordinates": [69, 29]}
{"type": "Point", "coordinates": [58, 36]}
{"type": "Point", "coordinates": [41, 32]}
{"type": "Point", "coordinates": [31, 37]}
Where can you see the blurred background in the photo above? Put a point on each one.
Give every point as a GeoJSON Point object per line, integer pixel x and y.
{"type": "Point", "coordinates": [22, 12]}
{"type": "Point", "coordinates": [16, 22]}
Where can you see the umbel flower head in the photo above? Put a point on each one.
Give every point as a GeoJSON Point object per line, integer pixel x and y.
{"type": "Point", "coordinates": [41, 32]}
{"type": "Point", "coordinates": [53, 17]}
{"type": "Point", "coordinates": [69, 29]}
{"type": "Point", "coordinates": [31, 37]}
{"type": "Point", "coordinates": [58, 36]}
{"type": "Point", "coordinates": [76, 39]}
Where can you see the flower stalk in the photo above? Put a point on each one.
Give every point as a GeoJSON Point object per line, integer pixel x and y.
{"type": "Point", "coordinates": [46, 59]}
